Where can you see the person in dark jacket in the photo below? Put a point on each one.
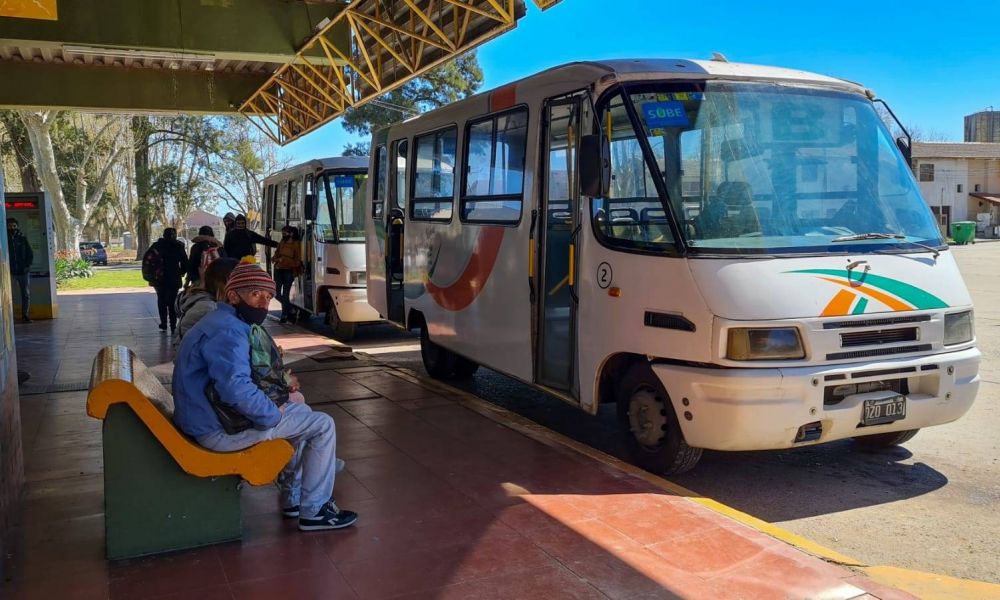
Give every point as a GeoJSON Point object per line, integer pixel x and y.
{"type": "Point", "coordinates": [174, 264]}
{"type": "Point", "coordinates": [204, 240]}
{"type": "Point", "coordinates": [242, 242]}
{"type": "Point", "coordinates": [21, 257]}
{"type": "Point", "coordinates": [229, 221]}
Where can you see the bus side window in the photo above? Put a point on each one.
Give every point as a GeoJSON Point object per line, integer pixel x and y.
{"type": "Point", "coordinates": [494, 167]}
{"type": "Point", "coordinates": [378, 190]}
{"type": "Point", "coordinates": [401, 154]}
{"type": "Point", "coordinates": [434, 175]}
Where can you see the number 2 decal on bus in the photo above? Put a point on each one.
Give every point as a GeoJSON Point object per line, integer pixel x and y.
{"type": "Point", "coordinates": [604, 275]}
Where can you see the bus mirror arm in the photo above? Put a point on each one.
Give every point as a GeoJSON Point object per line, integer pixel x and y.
{"type": "Point", "coordinates": [595, 166]}
{"type": "Point", "coordinates": [311, 209]}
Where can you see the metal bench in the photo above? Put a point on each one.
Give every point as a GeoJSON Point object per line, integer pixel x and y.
{"type": "Point", "coordinates": [162, 491]}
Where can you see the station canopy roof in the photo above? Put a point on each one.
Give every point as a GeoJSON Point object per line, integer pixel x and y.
{"type": "Point", "coordinates": [290, 65]}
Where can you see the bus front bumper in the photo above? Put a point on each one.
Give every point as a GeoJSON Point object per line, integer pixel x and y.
{"type": "Point", "coordinates": [764, 409]}
{"type": "Point", "coordinates": [352, 305]}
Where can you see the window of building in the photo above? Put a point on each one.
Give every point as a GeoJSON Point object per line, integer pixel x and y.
{"type": "Point", "coordinates": [960, 189]}
{"type": "Point", "coordinates": [977, 188]}
{"type": "Point", "coordinates": [494, 167]}
{"type": "Point", "coordinates": [378, 193]}
{"type": "Point", "coordinates": [434, 175]}
{"type": "Point", "coordinates": [926, 172]}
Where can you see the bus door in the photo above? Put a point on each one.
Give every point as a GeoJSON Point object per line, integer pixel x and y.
{"type": "Point", "coordinates": [311, 251]}
{"type": "Point", "coordinates": [559, 228]}
{"type": "Point", "coordinates": [395, 221]}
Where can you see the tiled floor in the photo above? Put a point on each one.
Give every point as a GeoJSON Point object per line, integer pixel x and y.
{"type": "Point", "coordinates": [451, 503]}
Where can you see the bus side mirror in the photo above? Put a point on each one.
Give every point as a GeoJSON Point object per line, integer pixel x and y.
{"type": "Point", "coordinates": [595, 166]}
{"type": "Point", "coordinates": [904, 146]}
{"type": "Point", "coordinates": [310, 207]}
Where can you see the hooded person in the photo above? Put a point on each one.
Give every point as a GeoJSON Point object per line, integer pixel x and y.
{"type": "Point", "coordinates": [219, 402]}
{"type": "Point", "coordinates": [205, 240]}
{"type": "Point", "coordinates": [229, 221]}
{"type": "Point", "coordinates": [241, 241]}
{"type": "Point", "coordinates": [168, 254]}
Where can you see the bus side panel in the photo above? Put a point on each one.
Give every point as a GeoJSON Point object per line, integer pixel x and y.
{"type": "Point", "coordinates": [648, 284]}
{"type": "Point", "coordinates": [475, 306]}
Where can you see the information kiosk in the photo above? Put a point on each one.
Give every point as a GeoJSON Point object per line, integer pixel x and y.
{"type": "Point", "coordinates": [33, 212]}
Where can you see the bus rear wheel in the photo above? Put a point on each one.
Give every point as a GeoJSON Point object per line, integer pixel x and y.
{"type": "Point", "coordinates": [652, 432]}
{"type": "Point", "coordinates": [439, 362]}
{"type": "Point", "coordinates": [881, 441]}
{"type": "Point", "coordinates": [342, 331]}
{"type": "Point", "coordinates": [464, 368]}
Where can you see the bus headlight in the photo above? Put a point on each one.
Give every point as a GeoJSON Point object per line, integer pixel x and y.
{"type": "Point", "coordinates": [958, 328]}
{"type": "Point", "coordinates": [770, 343]}
{"type": "Point", "coordinates": [357, 277]}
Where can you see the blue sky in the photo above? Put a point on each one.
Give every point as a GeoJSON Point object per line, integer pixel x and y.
{"type": "Point", "coordinates": [934, 62]}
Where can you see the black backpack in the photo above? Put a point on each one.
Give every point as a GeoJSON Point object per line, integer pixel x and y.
{"type": "Point", "coordinates": [152, 266]}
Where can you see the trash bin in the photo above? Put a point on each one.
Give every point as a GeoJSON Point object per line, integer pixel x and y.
{"type": "Point", "coordinates": [963, 232]}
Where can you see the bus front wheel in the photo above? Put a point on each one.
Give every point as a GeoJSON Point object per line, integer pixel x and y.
{"type": "Point", "coordinates": [438, 361]}
{"type": "Point", "coordinates": [342, 331]}
{"type": "Point", "coordinates": [652, 433]}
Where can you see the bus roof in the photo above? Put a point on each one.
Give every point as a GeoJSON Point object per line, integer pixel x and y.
{"type": "Point", "coordinates": [352, 163]}
{"type": "Point", "coordinates": [602, 74]}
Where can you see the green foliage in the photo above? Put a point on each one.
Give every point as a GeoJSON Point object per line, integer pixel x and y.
{"type": "Point", "coordinates": [68, 268]}
{"type": "Point", "coordinates": [359, 149]}
{"type": "Point", "coordinates": [452, 81]}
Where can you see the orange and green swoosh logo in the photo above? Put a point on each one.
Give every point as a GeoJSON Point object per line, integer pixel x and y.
{"type": "Point", "coordinates": [860, 288]}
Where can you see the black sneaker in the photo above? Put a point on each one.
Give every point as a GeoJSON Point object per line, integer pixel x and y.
{"type": "Point", "coordinates": [163, 326]}
{"type": "Point", "coordinates": [329, 517]}
{"type": "Point", "coordinates": [25, 319]}
{"type": "Point", "coordinates": [290, 512]}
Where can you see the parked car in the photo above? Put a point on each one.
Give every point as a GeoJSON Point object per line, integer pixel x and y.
{"type": "Point", "coordinates": [94, 253]}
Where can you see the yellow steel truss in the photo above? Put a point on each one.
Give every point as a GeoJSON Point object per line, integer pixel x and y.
{"type": "Point", "coordinates": [389, 43]}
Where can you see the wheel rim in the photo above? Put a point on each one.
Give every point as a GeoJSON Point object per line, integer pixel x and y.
{"type": "Point", "coordinates": [646, 417]}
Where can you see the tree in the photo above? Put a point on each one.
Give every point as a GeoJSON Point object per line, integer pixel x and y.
{"type": "Point", "coordinates": [359, 149]}
{"type": "Point", "coordinates": [76, 176]}
{"type": "Point", "coordinates": [16, 145]}
{"type": "Point", "coordinates": [456, 79]}
{"type": "Point", "coordinates": [244, 157]}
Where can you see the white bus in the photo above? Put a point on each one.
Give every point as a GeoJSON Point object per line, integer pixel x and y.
{"type": "Point", "coordinates": [736, 255]}
{"type": "Point", "coordinates": [325, 200]}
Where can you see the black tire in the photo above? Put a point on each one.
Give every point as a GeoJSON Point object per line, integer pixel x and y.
{"type": "Point", "coordinates": [464, 368]}
{"type": "Point", "coordinates": [342, 331]}
{"type": "Point", "coordinates": [881, 441]}
{"type": "Point", "coordinates": [668, 454]}
{"type": "Point", "coordinates": [438, 361]}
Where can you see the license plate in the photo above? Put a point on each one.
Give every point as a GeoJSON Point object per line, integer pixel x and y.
{"type": "Point", "coordinates": [878, 411]}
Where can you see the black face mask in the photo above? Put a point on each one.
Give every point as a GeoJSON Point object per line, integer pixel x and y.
{"type": "Point", "coordinates": [250, 314]}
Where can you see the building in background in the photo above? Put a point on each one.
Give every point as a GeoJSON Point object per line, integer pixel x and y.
{"type": "Point", "coordinates": [960, 182]}
{"type": "Point", "coordinates": [983, 126]}
{"type": "Point", "coordinates": [199, 218]}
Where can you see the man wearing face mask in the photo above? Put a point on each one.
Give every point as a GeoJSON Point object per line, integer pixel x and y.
{"type": "Point", "coordinates": [214, 363]}
{"type": "Point", "coordinates": [21, 257]}
{"type": "Point", "coordinates": [241, 241]}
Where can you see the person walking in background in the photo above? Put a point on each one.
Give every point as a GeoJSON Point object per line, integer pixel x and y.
{"type": "Point", "coordinates": [21, 258]}
{"type": "Point", "coordinates": [198, 261]}
{"type": "Point", "coordinates": [241, 241]}
{"type": "Point", "coordinates": [287, 266]}
{"type": "Point", "coordinates": [163, 266]}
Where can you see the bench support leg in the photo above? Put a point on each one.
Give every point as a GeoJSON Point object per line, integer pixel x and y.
{"type": "Point", "coordinates": [150, 504]}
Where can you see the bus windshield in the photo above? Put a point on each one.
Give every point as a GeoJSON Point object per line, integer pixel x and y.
{"type": "Point", "coordinates": [341, 201]}
{"type": "Point", "coordinates": [760, 168]}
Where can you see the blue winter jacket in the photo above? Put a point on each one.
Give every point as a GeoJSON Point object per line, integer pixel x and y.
{"type": "Point", "coordinates": [217, 349]}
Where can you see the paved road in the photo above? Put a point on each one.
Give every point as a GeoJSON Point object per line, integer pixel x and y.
{"type": "Point", "coordinates": [933, 505]}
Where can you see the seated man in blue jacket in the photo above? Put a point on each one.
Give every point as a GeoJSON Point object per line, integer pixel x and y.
{"type": "Point", "coordinates": [215, 353]}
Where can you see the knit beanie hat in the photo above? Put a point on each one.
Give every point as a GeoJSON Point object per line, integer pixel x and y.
{"type": "Point", "coordinates": [248, 276]}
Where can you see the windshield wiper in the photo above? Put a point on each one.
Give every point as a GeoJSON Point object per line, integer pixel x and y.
{"type": "Point", "coordinates": [883, 236]}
